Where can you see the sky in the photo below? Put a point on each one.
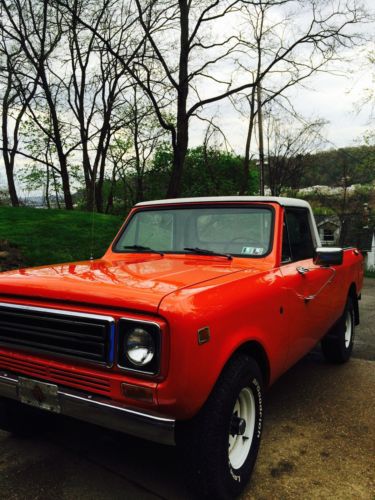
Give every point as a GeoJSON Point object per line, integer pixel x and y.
{"type": "Point", "coordinates": [333, 98]}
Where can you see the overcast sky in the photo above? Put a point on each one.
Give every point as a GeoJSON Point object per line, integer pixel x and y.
{"type": "Point", "coordinates": [336, 99]}
{"type": "Point", "coordinates": [333, 98]}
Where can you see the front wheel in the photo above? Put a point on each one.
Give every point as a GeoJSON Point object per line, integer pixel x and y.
{"type": "Point", "coordinates": [220, 444]}
{"type": "Point", "coordinates": [337, 345]}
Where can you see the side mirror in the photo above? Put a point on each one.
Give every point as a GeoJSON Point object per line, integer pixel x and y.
{"type": "Point", "coordinates": [328, 256]}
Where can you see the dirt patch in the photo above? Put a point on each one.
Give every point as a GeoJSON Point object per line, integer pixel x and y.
{"type": "Point", "coordinates": [10, 256]}
{"type": "Point", "coordinates": [283, 467]}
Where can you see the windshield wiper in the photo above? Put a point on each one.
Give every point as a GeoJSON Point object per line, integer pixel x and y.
{"type": "Point", "coordinates": [204, 251]}
{"type": "Point", "coordinates": [142, 248]}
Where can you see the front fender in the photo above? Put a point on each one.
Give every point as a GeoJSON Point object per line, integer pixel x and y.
{"type": "Point", "coordinates": [236, 310]}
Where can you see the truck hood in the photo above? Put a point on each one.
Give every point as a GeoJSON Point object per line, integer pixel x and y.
{"type": "Point", "coordinates": [135, 282]}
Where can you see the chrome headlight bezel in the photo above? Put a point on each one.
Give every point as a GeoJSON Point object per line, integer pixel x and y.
{"type": "Point", "coordinates": [126, 328]}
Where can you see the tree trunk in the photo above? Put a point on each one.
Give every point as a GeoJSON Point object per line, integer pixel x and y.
{"type": "Point", "coordinates": [109, 207]}
{"type": "Point", "coordinates": [11, 186]}
{"type": "Point", "coordinates": [9, 165]}
{"type": "Point", "coordinates": [138, 164]}
{"type": "Point", "coordinates": [68, 200]}
{"type": "Point", "coordinates": [55, 187]}
{"type": "Point", "coordinates": [100, 183]}
{"type": "Point", "coordinates": [246, 161]}
{"type": "Point", "coordinates": [47, 187]}
{"type": "Point", "coordinates": [180, 145]}
{"type": "Point", "coordinates": [57, 140]}
{"type": "Point", "coordinates": [261, 147]}
{"type": "Point", "coordinates": [179, 155]}
{"type": "Point", "coordinates": [87, 172]}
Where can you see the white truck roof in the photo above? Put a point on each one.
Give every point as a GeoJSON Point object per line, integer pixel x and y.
{"type": "Point", "coordinates": [286, 202]}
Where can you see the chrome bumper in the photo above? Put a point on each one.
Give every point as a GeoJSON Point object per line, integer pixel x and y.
{"type": "Point", "coordinates": [103, 412]}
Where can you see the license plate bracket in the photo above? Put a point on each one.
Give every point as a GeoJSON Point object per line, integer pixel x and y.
{"type": "Point", "coordinates": [39, 394]}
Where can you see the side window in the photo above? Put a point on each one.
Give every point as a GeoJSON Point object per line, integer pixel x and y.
{"type": "Point", "coordinates": [286, 253]}
{"type": "Point", "coordinates": [298, 235]}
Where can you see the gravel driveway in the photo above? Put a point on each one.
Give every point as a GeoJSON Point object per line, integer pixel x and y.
{"type": "Point", "coordinates": [364, 347]}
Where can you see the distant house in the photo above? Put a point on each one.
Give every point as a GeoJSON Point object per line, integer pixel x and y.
{"type": "Point", "coordinates": [329, 228]}
{"type": "Point", "coordinates": [333, 232]}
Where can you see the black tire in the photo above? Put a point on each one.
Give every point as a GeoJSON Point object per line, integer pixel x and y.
{"type": "Point", "coordinates": [216, 469]}
{"type": "Point", "coordinates": [21, 420]}
{"type": "Point", "coordinates": [337, 345]}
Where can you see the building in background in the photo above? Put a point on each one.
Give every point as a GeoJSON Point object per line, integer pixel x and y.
{"type": "Point", "coordinates": [362, 237]}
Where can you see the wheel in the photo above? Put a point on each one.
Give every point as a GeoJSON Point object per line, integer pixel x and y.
{"type": "Point", "coordinates": [21, 420]}
{"type": "Point", "coordinates": [220, 445]}
{"type": "Point", "coordinates": [337, 345]}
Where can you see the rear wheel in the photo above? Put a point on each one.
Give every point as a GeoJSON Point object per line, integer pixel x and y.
{"type": "Point", "coordinates": [220, 444]}
{"type": "Point", "coordinates": [337, 345]}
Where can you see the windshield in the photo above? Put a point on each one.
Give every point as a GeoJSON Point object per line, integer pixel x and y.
{"type": "Point", "coordinates": [242, 231]}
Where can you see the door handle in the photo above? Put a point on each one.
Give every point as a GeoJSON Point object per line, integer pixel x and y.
{"type": "Point", "coordinates": [302, 270]}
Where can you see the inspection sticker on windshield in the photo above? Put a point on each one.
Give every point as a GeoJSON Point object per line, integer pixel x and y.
{"type": "Point", "coordinates": [252, 250]}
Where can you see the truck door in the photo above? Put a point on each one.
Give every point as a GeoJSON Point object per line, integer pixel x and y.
{"type": "Point", "coordinates": [309, 289]}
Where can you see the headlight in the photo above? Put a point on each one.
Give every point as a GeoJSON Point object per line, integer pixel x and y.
{"type": "Point", "coordinates": [140, 347]}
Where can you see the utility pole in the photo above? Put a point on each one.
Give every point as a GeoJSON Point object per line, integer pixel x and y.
{"type": "Point", "coordinates": [260, 133]}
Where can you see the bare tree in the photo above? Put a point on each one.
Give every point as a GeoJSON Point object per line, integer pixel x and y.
{"type": "Point", "coordinates": [17, 93]}
{"type": "Point", "coordinates": [96, 89]}
{"type": "Point", "coordinates": [80, 88]}
{"type": "Point", "coordinates": [41, 169]}
{"type": "Point", "coordinates": [37, 28]}
{"type": "Point", "coordinates": [173, 60]}
{"type": "Point", "coordinates": [134, 146]}
{"type": "Point", "coordinates": [283, 43]}
{"type": "Point", "coordinates": [89, 57]}
{"type": "Point", "coordinates": [179, 55]}
{"type": "Point", "coordinates": [289, 141]}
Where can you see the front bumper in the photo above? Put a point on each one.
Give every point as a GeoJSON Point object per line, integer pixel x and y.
{"type": "Point", "coordinates": [103, 412]}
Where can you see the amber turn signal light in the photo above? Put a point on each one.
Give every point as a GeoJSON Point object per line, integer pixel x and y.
{"type": "Point", "coordinates": [131, 391]}
{"type": "Point", "coordinates": [203, 335]}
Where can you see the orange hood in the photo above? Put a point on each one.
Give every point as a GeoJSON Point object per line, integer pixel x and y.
{"type": "Point", "coordinates": [135, 282]}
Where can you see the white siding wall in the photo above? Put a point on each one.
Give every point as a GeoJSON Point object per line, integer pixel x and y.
{"type": "Point", "coordinates": [370, 264]}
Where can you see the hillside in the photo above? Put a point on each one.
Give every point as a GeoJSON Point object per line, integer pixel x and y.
{"type": "Point", "coordinates": [329, 167]}
{"type": "Point", "coordinates": [52, 236]}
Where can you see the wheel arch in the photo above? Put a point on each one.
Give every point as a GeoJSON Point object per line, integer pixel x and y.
{"type": "Point", "coordinates": [257, 352]}
{"type": "Point", "coordinates": [353, 295]}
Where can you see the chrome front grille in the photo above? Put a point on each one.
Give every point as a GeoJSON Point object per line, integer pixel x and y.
{"type": "Point", "coordinates": [66, 334]}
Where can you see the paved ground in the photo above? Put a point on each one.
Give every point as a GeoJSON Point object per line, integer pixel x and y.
{"type": "Point", "coordinates": [318, 443]}
{"type": "Point", "coordinates": [365, 333]}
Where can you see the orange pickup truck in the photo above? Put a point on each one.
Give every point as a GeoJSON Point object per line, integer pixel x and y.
{"type": "Point", "coordinates": [173, 336]}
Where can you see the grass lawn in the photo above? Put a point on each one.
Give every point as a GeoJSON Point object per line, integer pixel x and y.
{"type": "Point", "coordinates": [54, 236]}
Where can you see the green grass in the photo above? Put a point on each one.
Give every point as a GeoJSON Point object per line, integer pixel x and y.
{"type": "Point", "coordinates": [54, 236]}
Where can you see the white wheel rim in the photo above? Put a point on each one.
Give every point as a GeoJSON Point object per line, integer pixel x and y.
{"type": "Point", "coordinates": [348, 329]}
{"type": "Point", "coordinates": [239, 445]}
